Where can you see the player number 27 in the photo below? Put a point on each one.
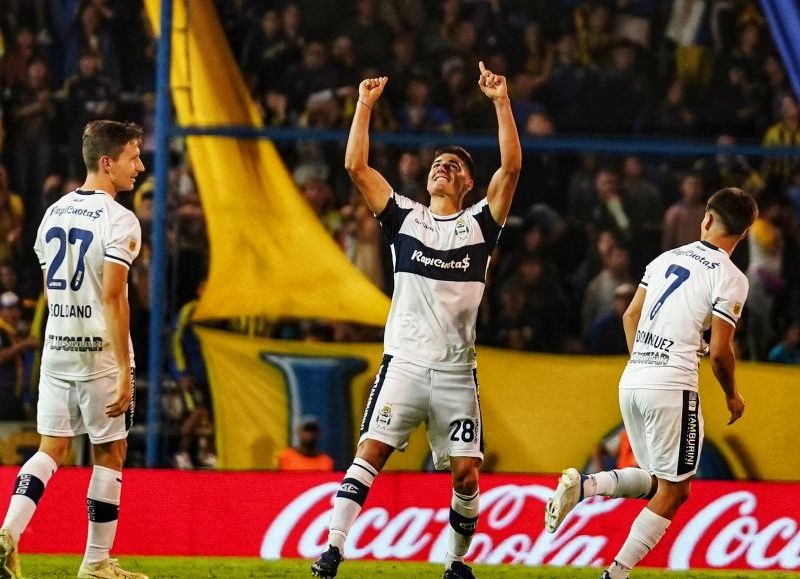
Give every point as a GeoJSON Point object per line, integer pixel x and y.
{"type": "Point", "coordinates": [466, 427]}
{"type": "Point", "coordinates": [83, 237]}
{"type": "Point", "coordinates": [681, 275]}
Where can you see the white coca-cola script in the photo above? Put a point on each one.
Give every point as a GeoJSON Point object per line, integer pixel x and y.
{"type": "Point", "coordinates": [724, 533]}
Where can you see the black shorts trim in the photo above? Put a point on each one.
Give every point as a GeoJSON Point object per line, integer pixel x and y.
{"type": "Point", "coordinates": [375, 393]}
{"type": "Point", "coordinates": [689, 451]}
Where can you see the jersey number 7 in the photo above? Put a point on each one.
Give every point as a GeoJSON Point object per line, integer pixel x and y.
{"type": "Point", "coordinates": [682, 274]}
{"type": "Point", "coordinates": [83, 237]}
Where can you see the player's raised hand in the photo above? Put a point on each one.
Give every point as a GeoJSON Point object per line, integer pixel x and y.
{"type": "Point", "coordinates": [735, 406]}
{"type": "Point", "coordinates": [492, 85]}
{"type": "Point", "coordinates": [371, 89]}
{"type": "Point", "coordinates": [123, 398]}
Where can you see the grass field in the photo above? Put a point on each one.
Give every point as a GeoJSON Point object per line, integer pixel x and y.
{"type": "Point", "coordinates": [52, 567]}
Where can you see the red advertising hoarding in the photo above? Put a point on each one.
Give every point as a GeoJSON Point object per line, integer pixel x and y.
{"type": "Point", "coordinates": [283, 515]}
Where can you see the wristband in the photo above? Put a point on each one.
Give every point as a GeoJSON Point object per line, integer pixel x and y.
{"type": "Point", "coordinates": [365, 104]}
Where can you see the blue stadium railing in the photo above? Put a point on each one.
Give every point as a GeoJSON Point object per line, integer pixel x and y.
{"type": "Point", "coordinates": [587, 144]}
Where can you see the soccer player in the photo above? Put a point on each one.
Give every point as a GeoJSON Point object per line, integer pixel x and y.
{"type": "Point", "coordinates": [684, 292]}
{"type": "Point", "coordinates": [85, 244]}
{"type": "Point", "coordinates": [440, 255]}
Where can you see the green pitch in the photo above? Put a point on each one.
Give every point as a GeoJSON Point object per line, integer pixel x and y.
{"type": "Point", "coordinates": [61, 567]}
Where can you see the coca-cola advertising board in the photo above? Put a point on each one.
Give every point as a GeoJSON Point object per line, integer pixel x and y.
{"type": "Point", "coordinates": [285, 515]}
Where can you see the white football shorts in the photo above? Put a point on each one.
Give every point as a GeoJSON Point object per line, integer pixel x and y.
{"type": "Point", "coordinates": [405, 394]}
{"type": "Point", "coordinates": [665, 428]}
{"type": "Point", "coordinates": [69, 407]}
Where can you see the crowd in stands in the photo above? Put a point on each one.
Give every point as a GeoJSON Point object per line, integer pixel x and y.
{"type": "Point", "coordinates": [582, 225]}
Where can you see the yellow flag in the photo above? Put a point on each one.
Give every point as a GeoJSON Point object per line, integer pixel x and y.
{"type": "Point", "coordinates": [270, 255]}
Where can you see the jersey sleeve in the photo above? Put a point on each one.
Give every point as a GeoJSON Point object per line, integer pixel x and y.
{"type": "Point", "coordinates": [38, 247]}
{"type": "Point", "coordinates": [648, 272]}
{"type": "Point", "coordinates": [729, 296]}
{"type": "Point", "coordinates": [489, 227]}
{"type": "Point", "coordinates": [393, 215]}
{"type": "Point", "coordinates": [125, 239]}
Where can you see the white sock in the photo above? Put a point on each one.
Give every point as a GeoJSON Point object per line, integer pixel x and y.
{"type": "Point", "coordinates": [102, 503]}
{"type": "Point", "coordinates": [31, 481]}
{"type": "Point", "coordinates": [646, 532]}
{"type": "Point", "coordinates": [351, 496]}
{"type": "Point", "coordinates": [618, 571]}
{"type": "Point", "coordinates": [463, 522]}
{"type": "Point", "coordinates": [632, 483]}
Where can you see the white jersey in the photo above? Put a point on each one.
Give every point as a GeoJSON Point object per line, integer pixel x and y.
{"type": "Point", "coordinates": [685, 287]}
{"type": "Point", "coordinates": [77, 235]}
{"type": "Point", "coordinates": [439, 276]}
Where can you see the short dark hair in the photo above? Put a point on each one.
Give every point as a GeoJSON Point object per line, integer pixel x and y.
{"type": "Point", "coordinates": [107, 138]}
{"type": "Point", "coordinates": [459, 152]}
{"type": "Point", "coordinates": [736, 209]}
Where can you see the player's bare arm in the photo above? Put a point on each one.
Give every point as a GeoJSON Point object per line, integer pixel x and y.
{"type": "Point", "coordinates": [374, 188]}
{"type": "Point", "coordinates": [723, 364]}
{"type": "Point", "coordinates": [504, 181]}
{"type": "Point", "coordinates": [117, 314]}
{"type": "Point", "coordinates": [630, 319]}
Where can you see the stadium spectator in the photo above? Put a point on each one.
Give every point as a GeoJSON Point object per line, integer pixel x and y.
{"type": "Point", "coordinates": [608, 209]}
{"type": "Point", "coordinates": [12, 349]}
{"type": "Point", "coordinates": [785, 133]}
{"type": "Point", "coordinates": [95, 35]}
{"type": "Point", "coordinates": [12, 215]}
{"type": "Point", "coordinates": [374, 36]}
{"type": "Point", "coordinates": [764, 274]}
{"type": "Point", "coordinates": [15, 63]}
{"type": "Point", "coordinates": [674, 116]}
{"type": "Point", "coordinates": [419, 114]}
{"type": "Point", "coordinates": [89, 96]}
{"type": "Point", "coordinates": [729, 105]}
{"type": "Point", "coordinates": [682, 220]}
{"type": "Point", "coordinates": [607, 336]}
{"type": "Point", "coordinates": [614, 451]}
{"type": "Point", "coordinates": [32, 111]}
{"type": "Point", "coordinates": [567, 90]}
{"type": "Point", "coordinates": [727, 170]}
{"type": "Point", "coordinates": [622, 95]}
{"type": "Point", "coordinates": [643, 201]}
{"type": "Point", "coordinates": [787, 351]}
{"type": "Point", "coordinates": [188, 369]}
{"type": "Point", "coordinates": [362, 240]}
{"type": "Point", "coordinates": [599, 297]}
{"type": "Point", "coordinates": [305, 454]}
{"type": "Point", "coordinates": [345, 61]}
{"type": "Point", "coordinates": [264, 49]}
{"type": "Point", "coordinates": [410, 179]}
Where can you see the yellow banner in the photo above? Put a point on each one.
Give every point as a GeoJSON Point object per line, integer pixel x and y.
{"type": "Point", "coordinates": [270, 256]}
{"type": "Point", "coordinates": [541, 413]}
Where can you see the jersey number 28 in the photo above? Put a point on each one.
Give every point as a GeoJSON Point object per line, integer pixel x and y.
{"type": "Point", "coordinates": [83, 237]}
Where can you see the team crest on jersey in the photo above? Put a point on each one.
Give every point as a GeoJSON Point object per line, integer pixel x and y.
{"type": "Point", "coordinates": [462, 231]}
{"type": "Point", "coordinates": [132, 244]}
{"type": "Point", "coordinates": [737, 309]}
{"type": "Point", "coordinates": [384, 416]}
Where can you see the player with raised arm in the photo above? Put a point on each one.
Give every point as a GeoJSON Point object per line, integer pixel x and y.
{"type": "Point", "coordinates": [684, 292]}
{"type": "Point", "coordinates": [428, 374]}
{"type": "Point", "coordinates": [85, 245]}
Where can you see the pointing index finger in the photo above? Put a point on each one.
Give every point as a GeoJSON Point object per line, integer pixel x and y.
{"type": "Point", "coordinates": [481, 67]}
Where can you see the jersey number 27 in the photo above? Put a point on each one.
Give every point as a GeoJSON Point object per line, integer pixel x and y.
{"type": "Point", "coordinates": [83, 237]}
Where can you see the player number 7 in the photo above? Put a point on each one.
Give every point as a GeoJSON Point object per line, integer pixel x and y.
{"type": "Point", "coordinates": [682, 274]}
